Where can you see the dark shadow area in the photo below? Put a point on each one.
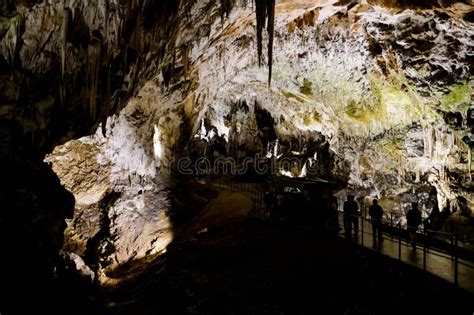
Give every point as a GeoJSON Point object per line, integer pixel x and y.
{"type": "Point", "coordinates": [257, 268]}
{"type": "Point", "coordinates": [250, 266]}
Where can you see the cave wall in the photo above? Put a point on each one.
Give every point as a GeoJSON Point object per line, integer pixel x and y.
{"type": "Point", "coordinates": [65, 66]}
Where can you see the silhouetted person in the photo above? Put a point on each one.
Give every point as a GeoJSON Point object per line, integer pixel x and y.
{"type": "Point", "coordinates": [432, 221]}
{"type": "Point", "coordinates": [351, 216]}
{"type": "Point", "coordinates": [376, 214]}
{"type": "Point", "coordinates": [270, 202]}
{"type": "Point", "coordinates": [333, 222]}
{"type": "Point", "coordinates": [280, 206]}
{"type": "Point", "coordinates": [470, 118]}
{"type": "Point", "coordinates": [444, 214]}
{"type": "Point", "coordinates": [413, 221]}
{"type": "Point", "coordinates": [326, 212]}
{"type": "Point", "coordinates": [463, 206]}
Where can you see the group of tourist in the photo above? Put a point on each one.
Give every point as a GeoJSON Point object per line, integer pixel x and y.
{"type": "Point", "coordinates": [352, 215]}
{"type": "Point", "coordinates": [283, 207]}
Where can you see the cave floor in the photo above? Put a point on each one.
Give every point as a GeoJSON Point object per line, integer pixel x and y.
{"type": "Point", "coordinates": [226, 262]}
{"type": "Point", "coordinates": [246, 266]}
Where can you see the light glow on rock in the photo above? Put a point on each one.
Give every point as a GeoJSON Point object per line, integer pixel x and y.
{"type": "Point", "coordinates": [203, 131]}
{"type": "Point", "coordinates": [157, 145]}
{"type": "Point", "coordinates": [286, 173]}
{"type": "Point", "coordinates": [303, 171]}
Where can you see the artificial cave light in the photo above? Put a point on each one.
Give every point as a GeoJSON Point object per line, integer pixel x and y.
{"type": "Point", "coordinates": [304, 171]}
{"type": "Point", "coordinates": [272, 149]}
{"type": "Point", "coordinates": [203, 131]}
{"type": "Point", "coordinates": [286, 173]}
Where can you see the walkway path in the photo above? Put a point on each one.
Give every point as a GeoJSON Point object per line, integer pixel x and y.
{"type": "Point", "coordinates": [437, 263]}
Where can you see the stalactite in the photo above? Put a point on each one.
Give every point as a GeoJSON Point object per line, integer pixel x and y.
{"type": "Point", "coordinates": [260, 13]}
{"type": "Point", "coordinates": [270, 30]}
{"type": "Point", "coordinates": [174, 59]}
{"type": "Point", "coordinates": [226, 7]}
{"type": "Point", "coordinates": [430, 142]}
{"type": "Point", "coordinates": [64, 31]}
{"type": "Point", "coordinates": [265, 12]}
{"type": "Point", "coordinates": [94, 60]}
{"type": "Point", "coordinates": [185, 58]}
{"type": "Point", "coordinates": [107, 104]}
{"type": "Point", "coordinates": [106, 19]}
{"type": "Point", "coordinates": [400, 171]}
{"type": "Point", "coordinates": [13, 38]}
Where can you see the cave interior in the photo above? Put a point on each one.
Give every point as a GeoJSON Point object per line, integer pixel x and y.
{"type": "Point", "coordinates": [197, 156]}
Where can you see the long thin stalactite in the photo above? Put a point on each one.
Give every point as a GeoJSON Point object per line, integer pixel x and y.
{"type": "Point", "coordinates": [270, 30]}
{"type": "Point", "coordinates": [265, 13]}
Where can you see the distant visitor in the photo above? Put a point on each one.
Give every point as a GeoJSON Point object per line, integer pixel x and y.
{"type": "Point", "coordinates": [413, 221]}
{"type": "Point", "coordinates": [376, 215]}
{"type": "Point", "coordinates": [351, 216]}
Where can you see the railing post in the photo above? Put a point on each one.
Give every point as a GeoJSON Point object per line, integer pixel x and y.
{"type": "Point", "coordinates": [424, 247]}
{"type": "Point", "coordinates": [452, 245]}
{"type": "Point", "coordinates": [399, 247]}
{"type": "Point", "coordinates": [391, 225]}
{"type": "Point", "coordinates": [456, 265]}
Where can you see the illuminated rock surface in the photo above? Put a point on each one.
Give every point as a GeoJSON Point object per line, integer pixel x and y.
{"type": "Point", "coordinates": [387, 88]}
{"type": "Point", "coordinates": [375, 93]}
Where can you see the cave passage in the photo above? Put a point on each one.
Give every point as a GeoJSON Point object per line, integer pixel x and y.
{"type": "Point", "coordinates": [236, 157]}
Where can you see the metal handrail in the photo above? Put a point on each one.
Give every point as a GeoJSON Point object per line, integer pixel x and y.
{"type": "Point", "coordinates": [400, 215]}
{"type": "Point", "coordinates": [260, 211]}
{"type": "Point", "coordinates": [243, 187]}
{"type": "Point", "coordinates": [454, 255]}
{"type": "Point", "coordinates": [432, 232]}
